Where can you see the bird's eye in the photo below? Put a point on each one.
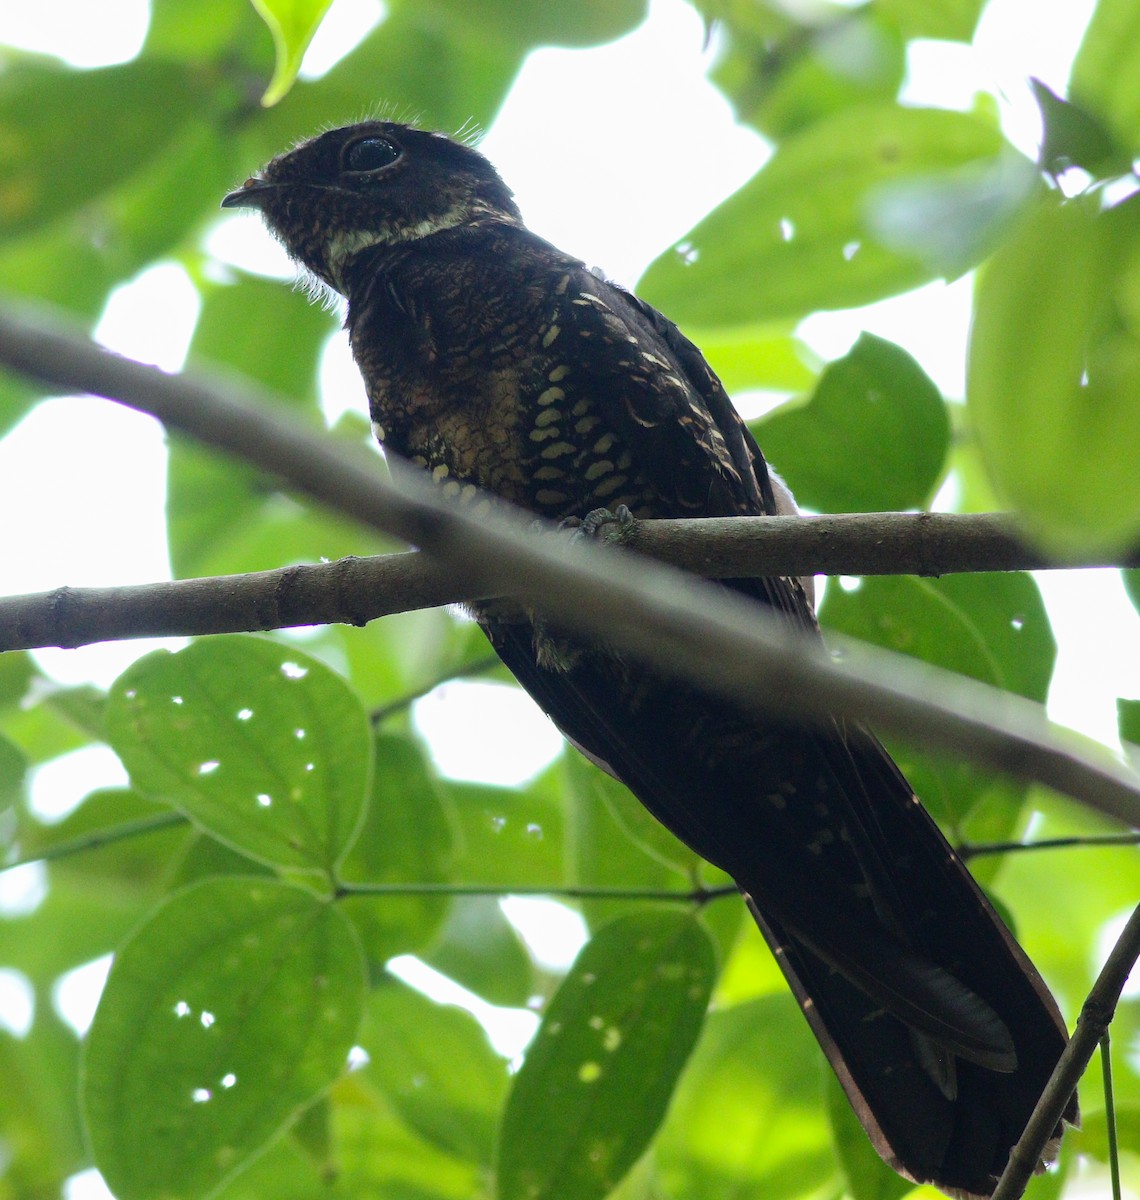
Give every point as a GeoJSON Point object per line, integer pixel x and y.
{"type": "Point", "coordinates": [370, 154]}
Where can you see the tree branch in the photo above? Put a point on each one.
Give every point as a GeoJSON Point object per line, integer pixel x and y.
{"type": "Point", "coordinates": [354, 591]}
{"type": "Point", "coordinates": [1096, 1016]}
{"type": "Point", "coordinates": [684, 626]}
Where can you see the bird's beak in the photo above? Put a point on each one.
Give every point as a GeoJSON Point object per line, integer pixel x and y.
{"type": "Point", "coordinates": [254, 193]}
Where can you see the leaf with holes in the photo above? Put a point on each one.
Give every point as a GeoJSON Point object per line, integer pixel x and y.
{"type": "Point", "coordinates": [598, 1076]}
{"type": "Point", "coordinates": [228, 1012]}
{"type": "Point", "coordinates": [264, 747]}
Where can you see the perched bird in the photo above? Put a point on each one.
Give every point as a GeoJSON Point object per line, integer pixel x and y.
{"type": "Point", "coordinates": [501, 365]}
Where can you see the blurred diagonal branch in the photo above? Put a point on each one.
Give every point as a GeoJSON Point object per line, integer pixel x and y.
{"type": "Point", "coordinates": [680, 624]}
{"type": "Point", "coordinates": [354, 591]}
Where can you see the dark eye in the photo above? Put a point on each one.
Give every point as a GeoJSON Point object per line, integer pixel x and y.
{"type": "Point", "coordinates": [370, 154]}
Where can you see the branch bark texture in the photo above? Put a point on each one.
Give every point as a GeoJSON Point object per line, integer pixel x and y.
{"type": "Point", "coordinates": [680, 624]}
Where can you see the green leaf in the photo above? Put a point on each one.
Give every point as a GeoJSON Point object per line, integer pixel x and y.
{"type": "Point", "coordinates": [437, 69]}
{"type": "Point", "coordinates": [781, 85]}
{"type": "Point", "coordinates": [748, 1119]}
{"type": "Point", "coordinates": [262, 746]}
{"type": "Point", "coordinates": [598, 1076]}
{"type": "Point", "coordinates": [408, 837]}
{"type": "Point", "coordinates": [873, 437]}
{"type": "Point", "coordinates": [479, 948]}
{"type": "Point", "coordinates": [532, 23]}
{"type": "Point", "coordinates": [292, 23]}
{"type": "Point", "coordinates": [509, 836]}
{"type": "Point", "coordinates": [435, 1065]}
{"type": "Point", "coordinates": [1106, 71]}
{"type": "Point", "coordinates": [17, 670]}
{"type": "Point", "coordinates": [232, 1007]}
{"type": "Point", "coordinates": [757, 357]}
{"type": "Point", "coordinates": [13, 766]}
{"type": "Point", "coordinates": [989, 627]}
{"type": "Point", "coordinates": [1054, 371]}
{"type": "Point", "coordinates": [948, 20]}
{"type": "Point", "coordinates": [1132, 586]}
{"type": "Point", "coordinates": [1075, 137]}
{"type": "Point", "coordinates": [1128, 720]}
{"type": "Point", "coordinates": [39, 1118]}
{"type": "Point", "coordinates": [801, 234]}
{"type": "Point", "coordinates": [615, 841]}
{"type": "Point", "coordinates": [868, 1177]}
{"type": "Point", "coordinates": [52, 118]}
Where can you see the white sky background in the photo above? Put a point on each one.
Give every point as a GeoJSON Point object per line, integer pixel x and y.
{"type": "Point", "coordinates": [633, 187]}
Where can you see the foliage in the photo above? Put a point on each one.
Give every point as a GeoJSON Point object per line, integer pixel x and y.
{"type": "Point", "coordinates": [229, 880]}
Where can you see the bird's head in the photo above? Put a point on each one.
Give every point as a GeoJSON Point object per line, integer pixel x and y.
{"type": "Point", "coordinates": [375, 183]}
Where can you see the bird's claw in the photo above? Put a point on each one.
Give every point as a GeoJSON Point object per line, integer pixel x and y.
{"type": "Point", "coordinates": [613, 528]}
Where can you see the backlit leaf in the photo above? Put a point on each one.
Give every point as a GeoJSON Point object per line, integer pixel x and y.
{"type": "Point", "coordinates": [873, 437]}
{"type": "Point", "coordinates": [598, 1076]}
{"type": "Point", "coordinates": [801, 234]}
{"type": "Point", "coordinates": [228, 1011]}
{"type": "Point", "coordinates": [264, 747]}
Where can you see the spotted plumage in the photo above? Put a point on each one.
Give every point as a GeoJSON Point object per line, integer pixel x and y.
{"type": "Point", "coordinates": [504, 367]}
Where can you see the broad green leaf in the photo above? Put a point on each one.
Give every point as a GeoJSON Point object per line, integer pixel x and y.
{"type": "Point", "coordinates": [1128, 720]}
{"type": "Point", "coordinates": [17, 670]}
{"type": "Point", "coordinates": [270, 332]}
{"type": "Point", "coordinates": [434, 1064]}
{"type": "Point", "coordinates": [39, 1118]}
{"type": "Point", "coordinates": [228, 1011]}
{"type": "Point", "coordinates": [375, 1157]}
{"type": "Point", "coordinates": [216, 509]}
{"type": "Point", "coordinates": [408, 837]}
{"type": "Point", "coordinates": [1075, 137]}
{"type": "Point", "coordinates": [786, 84]}
{"type": "Point", "coordinates": [416, 63]}
{"type": "Point", "coordinates": [990, 627]}
{"type": "Point", "coordinates": [616, 838]}
{"type": "Point", "coordinates": [93, 828]}
{"type": "Point", "coordinates": [1106, 72]}
{"type": "Point", "coordinates": [599, 1074]}
{"type": "Point", "coordinates": [532, 23]}
{"type": "Point", "coordinates": [801, 234]}
{"type": "Point", "coordinates": [67, 136]}
{"type": "Point", "coordinates": [13, 766]}
{"type": "Point", "coordinates": [873, 437]}
{"type": "Point", "coordinates": [748, 1119]}
{"type": "Point", "coordinates": [508, 836]}
{"type": "Point", "coordinates": [292, 23]}
{"type": "Point", "coordinates": [1054, 372]}
{"type": "Point", "coordinates": [264, 747]}
{"type": "Point", "coordinates": [208, 31]}
{"type": "Point", "coordinates": [757, 357]}
{"type": "Point", "coordinates": [1132, 586]}
{"type": "Point", "coordinates": [949, 20]}
{"type": "Point", "coordinates": [868, 1177]}
{"type": "Point", "coordinates": [479, 948]}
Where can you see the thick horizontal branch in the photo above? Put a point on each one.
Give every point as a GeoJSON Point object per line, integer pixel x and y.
{"type": "Point", "coordinates": [681, 625]}
{"type": "Point", "coordinates": [354, 591]}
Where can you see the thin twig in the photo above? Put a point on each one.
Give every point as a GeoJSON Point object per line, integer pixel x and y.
{"type": "Point", "coordinates": [682, 626]}
{"type": "Point", "coordinates": [99, 838]}
{"type": "Point", "coordinates": [1096, 1016]}
{"type": "Point", "coordinates": [1110, 1113]}
{"type": "Point", "coordinates": [479, 667]}
{"type": "Point", "coordinates": [697, 895]}
{"type": "Point", "coordinates": [968, 850]}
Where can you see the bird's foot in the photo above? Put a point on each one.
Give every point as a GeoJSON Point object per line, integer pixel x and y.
{"type": "Point", "coordinates": [600, 524]}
